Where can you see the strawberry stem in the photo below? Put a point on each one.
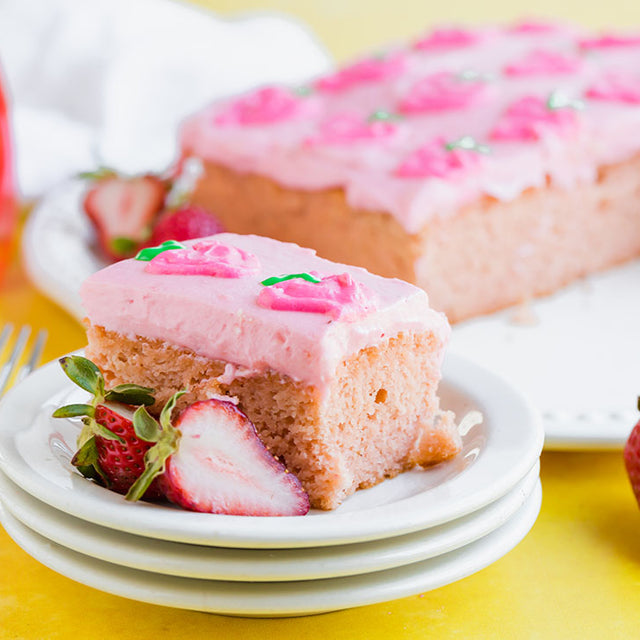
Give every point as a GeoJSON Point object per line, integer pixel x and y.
{"type": "Point", "coordinates": [156, 457]}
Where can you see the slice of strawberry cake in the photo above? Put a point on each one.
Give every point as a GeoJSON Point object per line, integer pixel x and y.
{"type": "Point", "coordinates": [337, 368]}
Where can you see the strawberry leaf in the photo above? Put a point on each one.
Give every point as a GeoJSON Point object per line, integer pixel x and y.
{"type": "Point", "coordinates": [74, 411]}
{"type": "Point", "coordinates": [84, 373]}
{"type": "Point", "coordinates": [165, 415]}
{"type": "Point", "coordinates": [145, 426]}
{"type": "Point", "coordinates": [155, 460]}
{"type": "Point", "coordinates": [102, 431]}
{"type": "Point", "coordinates": [86, 461]}
{"type": "Point", "coordinates": [130, 394]}
{"type": "Point", "coordinates": [156, 457]}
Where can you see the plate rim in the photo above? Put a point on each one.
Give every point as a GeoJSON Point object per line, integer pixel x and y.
{"type": "Point", "coordinates": [280, 565]}
{"type": "Point", "coordinates": [310, 597]}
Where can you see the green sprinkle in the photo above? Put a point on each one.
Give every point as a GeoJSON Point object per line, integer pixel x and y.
{"type": "Point", "coordinates": [304, 90]}
{"type": "Point", "coordinates": [558, 100]}
{"type": "Point", "coordinates": [99, 174]}
{"type": "Point", "coordinates": [380, 115]}
{"type": "Point", "coordinates": [469, 75]}
{"type": "Point", "coordinates": [291, 276]}
{"type": "Point", "coordinates": [469, 144]}
{"type": "Point", "coordinates": [149, 253]}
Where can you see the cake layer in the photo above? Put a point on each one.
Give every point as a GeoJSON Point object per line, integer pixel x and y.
{"type": "Point", "coordinates": [378, 417]}
{"type": "Point", "coordinates": [222, 318]}
{"type": "Point", "coordinates": [490, 255]}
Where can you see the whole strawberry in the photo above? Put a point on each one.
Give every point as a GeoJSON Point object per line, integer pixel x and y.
{"type": "Point", "coordinates": [632, 458]}
{"type": "Point", "coordinates": [186, 223]}
{"type": "Point", "coordinates": [110, 451]}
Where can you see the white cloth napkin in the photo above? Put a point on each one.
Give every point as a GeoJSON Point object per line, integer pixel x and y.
{"type": "Point", "coordinates": [108, 81]}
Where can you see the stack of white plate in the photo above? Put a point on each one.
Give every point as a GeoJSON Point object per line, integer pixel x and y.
{"type": "Point", "coordinates": [417, 532]}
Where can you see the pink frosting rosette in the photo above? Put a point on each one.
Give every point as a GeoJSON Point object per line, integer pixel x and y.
{"type": "Point", "coordinates": [436, 160]}
{"type": "Point", "coordinates": [338, 296]}
{"type": "Point", "coordinates": [616, 88]}
{"type": "Point", "coordinates": [529, 118]}
{"type": "Point", "coordinates": [443, 91]}
{"type": "Point", "coordinates": [346, 129]}
{"type": "Point", "coordinates": [205, 259]}
{"type": "Point", "coordinates": [532, 27]}
{"type": "Point", "coordinates": [268, 105]}
{"type": "Point", "coordinates": [611, 41]}
{"type": "Point", "coordinates": [541, 62]}
{"type": "Point", "coordinates": [364, 71]}
{"type": "Point", "coordinates": [448, 38]}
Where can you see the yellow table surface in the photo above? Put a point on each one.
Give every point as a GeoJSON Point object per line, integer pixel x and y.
{"type": "Point", "coordinates": [576, 575]}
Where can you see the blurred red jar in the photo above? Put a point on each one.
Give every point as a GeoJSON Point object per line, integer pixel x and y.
{"type": "Point", "coordinates": [8, 204]}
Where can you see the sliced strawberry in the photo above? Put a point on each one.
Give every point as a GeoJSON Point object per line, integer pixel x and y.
{"type": "Point", "coordinates": [632, 459]}
{"type": "Point", "coordinates": [214, 462]}
{"type": "Point", "coordinates": [185, 223]}
{"type": "Point", "coordinates": [122, 211]}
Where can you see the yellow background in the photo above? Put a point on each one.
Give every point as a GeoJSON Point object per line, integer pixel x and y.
{"type": "Point", "coordinates": [576, 575]}
{"type": "Point", "coordinates": [349, 27]}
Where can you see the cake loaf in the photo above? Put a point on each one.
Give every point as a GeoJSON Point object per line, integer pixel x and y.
{"type": "Point", "coordinates": [337, 368]}
{"type": "Point", "coordinates": [487, 165]}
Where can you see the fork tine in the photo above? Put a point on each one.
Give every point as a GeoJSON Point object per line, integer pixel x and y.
{"type": "Point", "coordinates": [34, 357]}
{"type": "Point", "coordinates": [18, 348]}
{"type": "Point", "coordinates": [4, 336]}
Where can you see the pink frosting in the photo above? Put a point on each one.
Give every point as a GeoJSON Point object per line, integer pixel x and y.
{"type": "Point", "coordinates": [529, 148]}
{"type": "Point", "coordinates": [529, 119]}
{"type": "Point", "coordinates": [616, 88]}
{"type": "Point", "coordinates": [611, 41]}
{"type": "Point", "coordinates": [264, 106]}
{"type": "Point", "coordinates": [339, 296]}
{"type": "Point", "coordinates": [442, 92]}
{"type": "Point", "coordinates": [345, 129]}
{"type": "Point", "coordinates": [448, 38]}
{"type": "Point", "coordinates": [543, 62]}
{"type": "Point", "coordinates": [220, 318]}
{"type": "Point", "coordinates": [210, 258]}
{"type": "Point", "coordinates": [369, 70]}
{"type": "Point", "coordinates": [434, 160]}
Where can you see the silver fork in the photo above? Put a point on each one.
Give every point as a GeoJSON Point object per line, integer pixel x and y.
{"type": "Point", "coordinates": [33, 356]}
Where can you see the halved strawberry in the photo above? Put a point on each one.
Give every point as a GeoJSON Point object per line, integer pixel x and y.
{"type": "Point", "coordinates": [122, 210]}
{"type": "Point", "coordinates": [186, 223]}
{"type": "Point", "coordinates": [213, 461]}
{"type": "Point", "coordinates": [632, 459]}
{"type": "Point", "coordinates": [110, 451]}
